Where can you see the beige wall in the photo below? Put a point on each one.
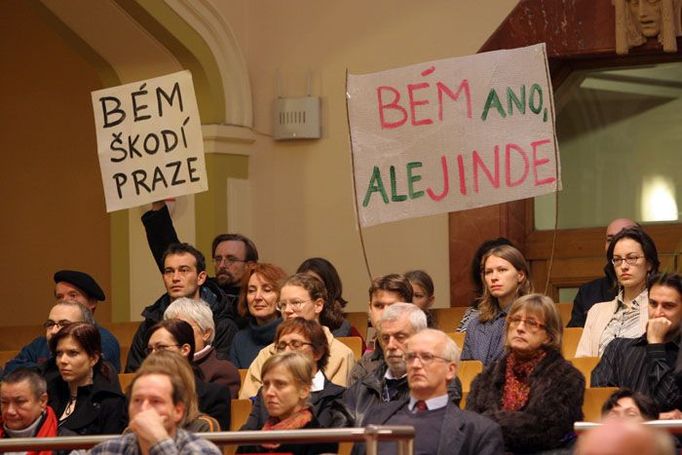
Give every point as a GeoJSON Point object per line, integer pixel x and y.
{"type": "Point", "coordinates": [302, 191]}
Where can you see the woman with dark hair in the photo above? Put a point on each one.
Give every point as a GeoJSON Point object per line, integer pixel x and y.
{"type": "Point", "coordinates": [532, 392]}
{"type": "Point", "coordinates": [332, 317]}
{"type": "Point", "coordinates": [477, 281]}
{"type": "Point", "coordinates": [624, 403]}
{"type": "Point", "coordinates": [258, 304]}
{"type": "Point", "coordinates": [422, 292]}
{"type": "Point", "coordinates": [286, 393]}
{"type": "Point", "coordinates": [505, 273]}
{"type": "Point", "coordinates": [303, 295]}
{"type": "Point", "coordinates": [177, 336]}
{"type": "Point", "coordinates": [307, 337]}
{"type": "Point", "coordinates": [632, 257]}
{"type": "Point", "coordinates": [83, 391]}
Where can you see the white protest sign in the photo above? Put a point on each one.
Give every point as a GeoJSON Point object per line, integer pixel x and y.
{"type": "Point", "coordinates": [149, 141]}
{"type": "Point", "coordinates": [453, 134]}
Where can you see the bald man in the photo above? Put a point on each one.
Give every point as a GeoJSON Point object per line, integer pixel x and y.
{"type": "Point", "coordinates": [619, 437]}
{"type": "Point", "coordinates": [602, 289]}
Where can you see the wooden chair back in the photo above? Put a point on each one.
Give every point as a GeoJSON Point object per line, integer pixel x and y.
{"type": "Point", "coordinates": [354, 343]}
{"type": "Point", "coordinates": [594, 400]}
{"type": "Point", "coordinates": [447, 319]}
{"type": "Point", "coordinates": [570, 341]}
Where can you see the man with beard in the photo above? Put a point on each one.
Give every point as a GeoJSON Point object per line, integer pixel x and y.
{"type": "Point", "coordinates": [231, 253]}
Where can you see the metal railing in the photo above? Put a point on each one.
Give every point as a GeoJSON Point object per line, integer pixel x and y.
{"type": "Point", "coordinates": [371, 435]}
{"type": "Point", "coordinates": [671, 426]}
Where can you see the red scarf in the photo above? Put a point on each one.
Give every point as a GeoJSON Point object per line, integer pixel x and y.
{"type": "Point", "coordinates": [295, 421]}
{"type": "Point", "coordinates": [48, 429]}
{"type": "Point", "coordinates": [517, 380]}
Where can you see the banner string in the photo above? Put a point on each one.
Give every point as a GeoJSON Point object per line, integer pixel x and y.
{"type": "Point", "coordinates": [355, 188]}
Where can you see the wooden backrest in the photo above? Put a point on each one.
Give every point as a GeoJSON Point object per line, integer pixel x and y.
{"type": "Point", "coordinates": [565, 310]}
{"type": "Point", "coordinates": [354, 343]}
{"type": "Point", "coordinates": [594, 400]}
{"type": "Point", "coordinates": [125, 379]}
{"type": "Point", "coordinates": [240, 413]}
{"type": "Point", "coordinates": [123, 331]}
{"type": "Point", "coordinates": [468, 370]}
{"type": "Point", "coordinates": [359, 320]}
{"type": "Point", "coordinates": [585, 365]}
{"type": "Point", "coordinates": [570, 341]}
{"type": "Point", "coordinates": [458, 337]}
{"type": "Point", "coordinates": [447, 319]}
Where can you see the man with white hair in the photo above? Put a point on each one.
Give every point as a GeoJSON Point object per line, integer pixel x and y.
{"type": "Point", "coordinates": [431, 357]}
{"type": "Point", "coordinates": [388, 381]}
{"type": "Point", "coordinates": [198, 314]}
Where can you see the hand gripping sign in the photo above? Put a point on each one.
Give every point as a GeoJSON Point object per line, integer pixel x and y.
{"type": "Point", "coordinates": [453, 134]}
{"type": "Point", "coordinates": [149, 141]}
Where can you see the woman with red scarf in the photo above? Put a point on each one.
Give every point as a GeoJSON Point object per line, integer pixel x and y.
{"type": "Point", "coordinates": [532, 391]}
{"type": "Point", "coordinates": [286, 390]}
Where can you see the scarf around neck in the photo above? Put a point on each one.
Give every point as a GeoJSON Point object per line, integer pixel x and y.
{"type": "Point", "coordinates": [517, 380]}
{"type": "Point", "coordinates": [295, 421]}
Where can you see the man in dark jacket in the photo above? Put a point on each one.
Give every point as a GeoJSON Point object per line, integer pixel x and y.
{"type": "Point", "coordinates": [184, 275]}
{"type": "Point", "coordinates": [603, 289]}
{"type": "Point", "coordinates": [231, 253]}
{"type": "Point", "coordinates": [388, 381]}
{"type": "Point", "coordinates": [440, 426]}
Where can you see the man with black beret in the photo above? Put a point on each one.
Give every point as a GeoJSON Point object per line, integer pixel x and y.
{"type": "Point", "coordinates": [76, 286]}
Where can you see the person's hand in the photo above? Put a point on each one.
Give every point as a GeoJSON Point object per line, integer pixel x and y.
{"type": "Point", "coordinates": [148, 426]}
{"type": "Point", "coordinates": [158, 205]}
{"type": "Point", "coordinates": [675, 414]}
{"type": "Point", "coordinates": [657, 329]}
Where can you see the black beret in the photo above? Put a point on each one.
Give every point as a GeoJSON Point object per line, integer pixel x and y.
{"type": "Point", "coordinates": [82, 281]}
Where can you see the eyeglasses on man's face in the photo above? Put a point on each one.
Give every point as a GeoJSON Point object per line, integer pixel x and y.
{"type": "Point", "coordinates": [629, 260]}
{"type": "Point", "coordinates": [59, 324]}
{"type": "Point", "coordinates": [228, 260]}
{"type": "Point", "coordinates": [294, 304]}
{"type": "Point", "coordinates": [425, 358]}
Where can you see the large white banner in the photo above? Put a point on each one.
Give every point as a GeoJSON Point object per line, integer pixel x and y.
{"type": "Point", "coordinates": [149, 141]}
{"type": "Point", "coordinates": [453, 134]}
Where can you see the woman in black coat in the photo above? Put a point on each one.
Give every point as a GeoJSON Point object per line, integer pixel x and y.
{"type": "Point", "coordinates": [82, 389]}
{"type": "Point", "coordinates": [532, 391]}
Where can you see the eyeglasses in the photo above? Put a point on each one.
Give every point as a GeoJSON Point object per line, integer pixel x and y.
{"type": "Point", "coordinates": [293, 344]}
{"type": "Point", "coordinates": [425, 358]}
{"type": "Point", "coordinates": [530, 324]}
{"type": "Point", "coordinates": [160, 347]}
{"type": "Point", "coordinates": [295, 304]}
{"type": "Point", "coordinates": [50, 323]}
{"type": "Point", "coordinates": [629, 260]}
{"type": "Point", "coordinates": [229, 260]}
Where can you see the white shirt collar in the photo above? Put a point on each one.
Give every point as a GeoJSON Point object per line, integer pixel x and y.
{"type": "Point", "coordinates": [318, 382]}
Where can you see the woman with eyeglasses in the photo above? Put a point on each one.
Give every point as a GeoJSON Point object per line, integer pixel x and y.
{"type": "Point", "coordinates": [258, 304]}
{"type": "Point", "coordinates": [286, 396]}
{"type": "Point", "coordinates": [82, 389]}
{"type": "Point", "coordinates": [532, 392]}
{"type": "Point", "coordinates": [303, 295]}
{"type": "Point", "coordinates": [308, 338]}
{"type": "Point", "coordinates": [198, 314]}
{"type": "Point", "coordinates": [632, 257]}
{"type": "Point", "coordinates": [506, 275]}
{"type": "Point", "coordinates": [177, 336]}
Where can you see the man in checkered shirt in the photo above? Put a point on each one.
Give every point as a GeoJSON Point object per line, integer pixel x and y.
{"type": "Point", "coordinates": [157, 412]}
